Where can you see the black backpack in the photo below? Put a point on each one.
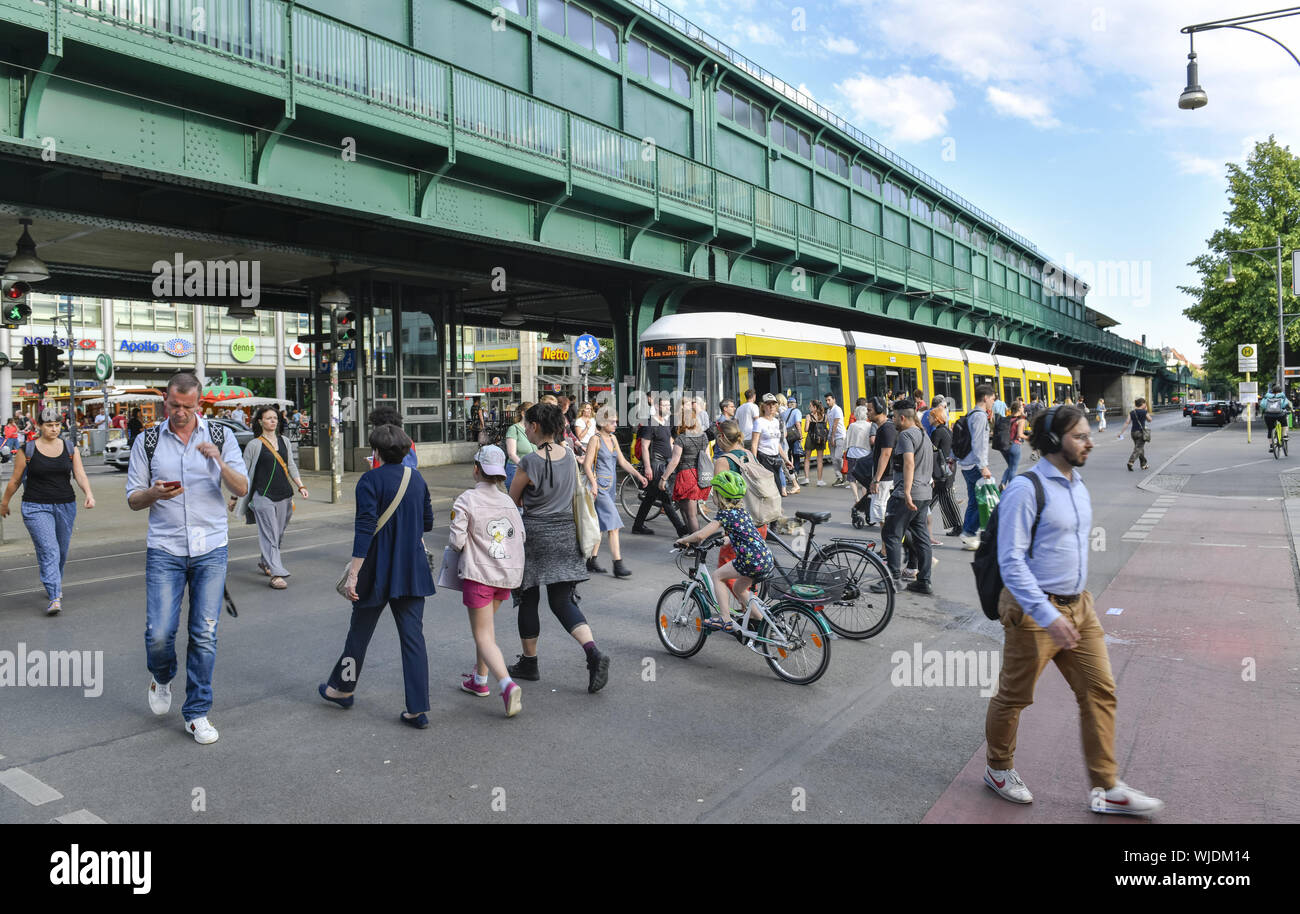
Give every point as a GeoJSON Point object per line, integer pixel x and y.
{"type": "Point", "coordinates": [216, 431]}
{"type": "Point", "coordinates": [961, 443]}
{"type": "Point", "coordinates": [1002, 433]}
{"type": "Point", "coordinates": [988, 576]}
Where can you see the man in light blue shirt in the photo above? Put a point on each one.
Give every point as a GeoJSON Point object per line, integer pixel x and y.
{"type": "Point", "coordinates": [180, 484]}
{"type": "Point", "coordinates": [999, 408]}
{"type": "Point", "coordinates": [975, 465]}
{"type": "Point", "coordinates": [1047, 614]}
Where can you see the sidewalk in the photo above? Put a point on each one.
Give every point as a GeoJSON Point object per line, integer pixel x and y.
{"type": "Point", "coordinates": [111, 519]}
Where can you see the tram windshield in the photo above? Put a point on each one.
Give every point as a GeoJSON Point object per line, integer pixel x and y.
{"type": "Point", "coordinates": [674, 369]}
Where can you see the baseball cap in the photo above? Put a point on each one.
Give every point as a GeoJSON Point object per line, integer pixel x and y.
{"type": "Point", "coordinates": [769, 398]}
{"type": "Point", "coordinates": [491, 460]}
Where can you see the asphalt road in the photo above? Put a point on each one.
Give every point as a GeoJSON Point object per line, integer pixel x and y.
{"type": "Point", "coordinates": [713, 738]}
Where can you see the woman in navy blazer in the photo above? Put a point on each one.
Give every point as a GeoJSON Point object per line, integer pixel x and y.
{"type": "Point", "coordinates": [388, 567]}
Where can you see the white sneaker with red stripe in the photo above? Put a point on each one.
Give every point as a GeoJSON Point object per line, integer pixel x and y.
{"type": "Point", "coordinates": [202, 731]}
{"type": "Point", "coordinates": [1124, 800]}
{"type": "Point", "coordinates": [1007, 785]}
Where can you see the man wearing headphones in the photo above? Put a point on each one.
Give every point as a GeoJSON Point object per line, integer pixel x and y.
{"type": "Point", "coordinates": [1047, 615]}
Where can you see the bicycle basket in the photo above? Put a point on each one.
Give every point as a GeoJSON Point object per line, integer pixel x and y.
{"type": "Point", "coordinates": [808, 585]}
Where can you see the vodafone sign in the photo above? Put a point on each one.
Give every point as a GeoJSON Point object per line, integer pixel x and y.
{"type": "Point", "coordinates": [297, 351]}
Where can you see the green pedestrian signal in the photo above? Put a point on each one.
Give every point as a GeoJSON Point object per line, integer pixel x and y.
{"type": "Point", "coordinates": [16, 309]}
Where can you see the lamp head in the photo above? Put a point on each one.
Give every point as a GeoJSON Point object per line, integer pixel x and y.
{"type": "Point", "coordinates": [1193, 96]}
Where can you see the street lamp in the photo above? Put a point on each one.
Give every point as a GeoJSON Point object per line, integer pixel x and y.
{"type": "Point", "coordinates": [1194, 96]}
{"type": "Point", "coordinates": [25, 266]}
{"type": "Point", "coordinates": [1282, 316]}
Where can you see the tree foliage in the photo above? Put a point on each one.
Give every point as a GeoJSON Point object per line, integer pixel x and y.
{"type": "Point", "coordinates": [1264, 203]}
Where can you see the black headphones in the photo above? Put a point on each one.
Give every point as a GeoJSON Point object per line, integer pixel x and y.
{"type": "Point", "coordinates": [878, 405]}
{"type": "Point", "coordinates": [1053, 439]}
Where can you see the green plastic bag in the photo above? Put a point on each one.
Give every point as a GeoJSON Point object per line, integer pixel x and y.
{"type": "Point", "coordinates": [986, 496]}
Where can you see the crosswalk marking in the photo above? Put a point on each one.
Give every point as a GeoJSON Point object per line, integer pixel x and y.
{"type": "Point", "coordinates": [80, 817]}
{"type": "Point", "coordinates": [33, 790]}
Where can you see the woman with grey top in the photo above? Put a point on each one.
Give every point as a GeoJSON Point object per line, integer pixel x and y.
{"type": "Point", "coordinates": [273, 474]}
{"type": "Point", "coordinates": [687, 445]}
{"type": "Point", "coordinates": [543, 487]}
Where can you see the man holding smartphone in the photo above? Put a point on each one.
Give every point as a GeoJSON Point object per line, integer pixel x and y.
{"type": "Point", "coordinates": [177, 474]}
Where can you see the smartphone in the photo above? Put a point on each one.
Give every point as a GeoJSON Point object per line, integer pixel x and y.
{"type": "Point", "coordinates": [171, 485]}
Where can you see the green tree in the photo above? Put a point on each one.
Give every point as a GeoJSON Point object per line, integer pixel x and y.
{"type": "Point", "coordinates": [1264, 203]}
{"type": "Point", "coordinates": [604, 365]}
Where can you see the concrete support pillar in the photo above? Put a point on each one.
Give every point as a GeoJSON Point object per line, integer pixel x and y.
{"type": "Point", "coordinates": [279, 355]}
{"type": "Point", "coordinates": [527, 366]}
{"type": "Point", "coordinates": [107, 316]}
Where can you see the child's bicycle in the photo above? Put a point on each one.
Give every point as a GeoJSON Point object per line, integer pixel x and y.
{"type": "Point", "coordinates": [793, 639]}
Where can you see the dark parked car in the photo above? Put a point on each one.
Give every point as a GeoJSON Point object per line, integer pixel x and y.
{"type": "Point", "coordinates": [1187, 407]}
{"type": "Point", "coordinates": [118, 455]}
{"type": "Point", "coordinates": [1214, 413]}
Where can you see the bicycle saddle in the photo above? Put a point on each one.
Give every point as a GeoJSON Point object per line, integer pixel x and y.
{"type": "Point", "coordinates": [814, 517]}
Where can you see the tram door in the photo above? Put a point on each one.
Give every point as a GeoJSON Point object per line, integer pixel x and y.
{"type": "Point", "coordinates": [765, 379]}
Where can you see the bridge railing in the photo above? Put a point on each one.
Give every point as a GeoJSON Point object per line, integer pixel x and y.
{"type": "Point", "coordinates": [341, 58]}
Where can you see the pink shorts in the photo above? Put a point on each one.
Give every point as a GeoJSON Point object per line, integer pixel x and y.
{"type": "Point", "coordinates": [475, 595]}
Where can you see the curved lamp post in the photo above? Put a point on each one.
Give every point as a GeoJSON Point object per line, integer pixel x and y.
{"type": "Point", "coordinates": [1194, 96]}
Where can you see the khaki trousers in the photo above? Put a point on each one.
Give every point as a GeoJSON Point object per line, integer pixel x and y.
{"type": "Point", "coordinates": [1027, 650]}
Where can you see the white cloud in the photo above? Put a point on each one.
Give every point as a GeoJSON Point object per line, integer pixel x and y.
{"type": "Point", "coordinates": [911, 108]}
{"type": "Point", "coordinates": [761, 33]}
{"type": "Point", "coordinates": [1189, 164]}
{"type": "Point", "coordinates": [1027, 107]}
{"type": "Point", "coordinates": [841, 44]}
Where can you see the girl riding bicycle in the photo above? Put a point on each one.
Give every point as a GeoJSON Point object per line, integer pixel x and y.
{"type": "Point", "coordinates": [752, 561]}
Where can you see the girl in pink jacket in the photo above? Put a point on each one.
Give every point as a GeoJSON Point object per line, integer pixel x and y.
{"type": "Point", "coordinates": [488, 532]}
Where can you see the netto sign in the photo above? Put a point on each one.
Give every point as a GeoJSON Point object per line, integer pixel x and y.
{"type": "Point", "coordinates": [555, 354]}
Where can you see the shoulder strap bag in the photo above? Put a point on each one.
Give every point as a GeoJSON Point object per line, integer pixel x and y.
{"type": "Point", "coordinates": [341, 586]}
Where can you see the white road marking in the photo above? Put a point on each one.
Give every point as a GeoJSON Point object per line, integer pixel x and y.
{"type": "Point", "coordinates": [80, 817]}
{"type": "Point", "coordinates": [33, 790]}
{"type": "Point", "coordinates": [140, 572]}
{"type": "Point", "coordinates": [1235, 466]}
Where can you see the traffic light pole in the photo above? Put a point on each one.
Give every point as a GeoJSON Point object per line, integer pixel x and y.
{"type": "Point", "coordinates": [72, 387]}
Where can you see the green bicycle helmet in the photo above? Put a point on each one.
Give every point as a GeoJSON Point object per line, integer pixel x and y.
{"type": "Point", "coordinates": [729, 485]}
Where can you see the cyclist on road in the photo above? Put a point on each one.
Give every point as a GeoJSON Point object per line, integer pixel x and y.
{"type": "Point", "coordinates": [1274, 407]}
{"type": "Point", "coordinates": [752, 560]}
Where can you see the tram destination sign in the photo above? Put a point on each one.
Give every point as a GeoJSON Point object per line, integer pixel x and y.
{"type": "Point", "coordinates": [669, 350]}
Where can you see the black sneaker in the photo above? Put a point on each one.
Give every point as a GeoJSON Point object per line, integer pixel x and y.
{"type": "Point", "coordinates": [597, 671]}
{"type": "Point", "coordinates": [918, 587]}
{"type": "Point", "coordinates": [643, 531]}
{"type": "Point", "coordinates": [527, 668]}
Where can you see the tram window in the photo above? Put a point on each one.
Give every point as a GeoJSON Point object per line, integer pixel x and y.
{"type": "Point", "coordinates": [1010, 390]}
{"type": "Point", "coordinates": [874, 383]}
{"type": "Point", "coordinates": [1063, 391]}
{"type": "Point", "coordinates": [1038, 390]}
{"type": "Point", "coordinates": [899, 382]}
{"type": "Point", "coordinates": [948, 384]}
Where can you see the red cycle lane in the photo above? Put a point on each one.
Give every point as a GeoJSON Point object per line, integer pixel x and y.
{"type": "Point", "coordinates": [1206, 657]}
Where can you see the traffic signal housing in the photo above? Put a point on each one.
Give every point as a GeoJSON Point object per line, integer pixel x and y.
{"type": "Point", "coordinates": [347, 326]}
{"type": "Point", "coordinates": [16, 308]}
{"type": "Point", "coordinates": [29, 358]}
{"type": "Point", "coordinates": [49, 367]}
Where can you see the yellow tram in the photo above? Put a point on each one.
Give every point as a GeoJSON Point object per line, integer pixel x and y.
{"type": "Point", "coordinates": [720, 354]}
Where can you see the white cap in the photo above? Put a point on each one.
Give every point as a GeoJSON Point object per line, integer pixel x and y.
{"type": "Point", "coordinates": [492, 460]}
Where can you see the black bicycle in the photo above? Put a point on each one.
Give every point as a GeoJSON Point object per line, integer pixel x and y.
{"type": "Point", "coordinates": [858, 612]}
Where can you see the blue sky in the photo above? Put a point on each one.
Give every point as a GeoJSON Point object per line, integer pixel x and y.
{"type": "Point", "coordinates": [1058, 118]}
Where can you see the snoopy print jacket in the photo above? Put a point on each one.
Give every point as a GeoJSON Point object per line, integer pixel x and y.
{"type": "Point", "coordinates": [487, 530]}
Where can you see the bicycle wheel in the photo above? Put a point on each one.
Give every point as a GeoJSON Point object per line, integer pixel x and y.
{"type": "Point", "coordinates": [860, 613]}
{"type": "Point", "coordinates": [1285, 446]}
{"type": "Point", "coordinates": [679, 620]}
{"type": "Point", "coordinates": [1276, 444]}
{"type": "Point", "coordinates": [798, 650]}
{"type": "Point", "coordinates": [629, 499]}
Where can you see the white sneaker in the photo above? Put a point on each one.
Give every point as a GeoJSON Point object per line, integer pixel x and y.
{"type": "Point", "coordinates": [1124, 800]}
{"type": "Point", "coordinates": [1007, 785]}
{"type": "Point", "coordinates": [203, 731]}
{"type": "Point", "coordinates": [821, 482]}
{"type": "Point", "coordinates": [160, 697]}
{"type": "Point", "coordinates": [970, 543]}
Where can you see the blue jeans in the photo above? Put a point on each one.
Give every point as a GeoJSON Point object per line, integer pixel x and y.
{"type": "Point", "coordinates": [971, 522]}
{"type": "Point", "coordinates": [511, 469]}
{"type": "Point", "coordinates": [1012, 455]}
{"type": "Point", "coordinates": [51, 530]}
{"type": "Point", "coordinates": [166, 577]}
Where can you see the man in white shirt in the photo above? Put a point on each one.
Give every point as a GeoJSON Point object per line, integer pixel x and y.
{"type": "Point", "coordinates": [746, 415]}
{"type": "Point", "coordinates": [240, 415]}
{"type": "Point", "coordinates": [835, 426]}
{"type": "Point", "coordinates": [186, 548]}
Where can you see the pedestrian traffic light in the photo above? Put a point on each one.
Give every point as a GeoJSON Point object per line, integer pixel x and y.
{"type": "Point", "coordinates": [57, 367]}
{"type": "Point", "coordinates": [16, 308]}
{"type": "Point", "coordinates": [29, 357]}
{"type": "Point", "coordinates": [347, 324]}
{"type": "Point", "coordinates": [42, 363]}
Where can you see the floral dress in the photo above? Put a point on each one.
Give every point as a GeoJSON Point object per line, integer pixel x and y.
{"type": "Point", "coordinates": [752, 556]}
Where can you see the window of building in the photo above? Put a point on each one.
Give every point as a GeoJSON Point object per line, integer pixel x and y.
{"type": "Point", "coordinates": [681, 81]}
{"type": "Point", "coordinates": [580, 26]}
{"type": "Point", "coordinates": [943, 220]}
{"type": "Point", "coordinates": [550, 13]}
{"type": "Point", "coordinates": [791, 137]}
{"type": "Point", "coordinates": [606, 40]}
{"type": "Point", "coordinates": [867, 179]}
{"type": "Point", "coordinates": [961, 231]}
{"type": "Point", "coordinates": [638, 58]}
{"type": "Point", "coordinates": [895, 194]}
{"type": "Point", "coordinates": [515, 6]}
{"type": "Point", "coordinates": [832, 160]}
{"type": "Point", "coordinates": [741, 111]}
{"type": "Point", "coordinates": [921, 208]}
{"type": "Point", "coordinates": [999, 252]}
